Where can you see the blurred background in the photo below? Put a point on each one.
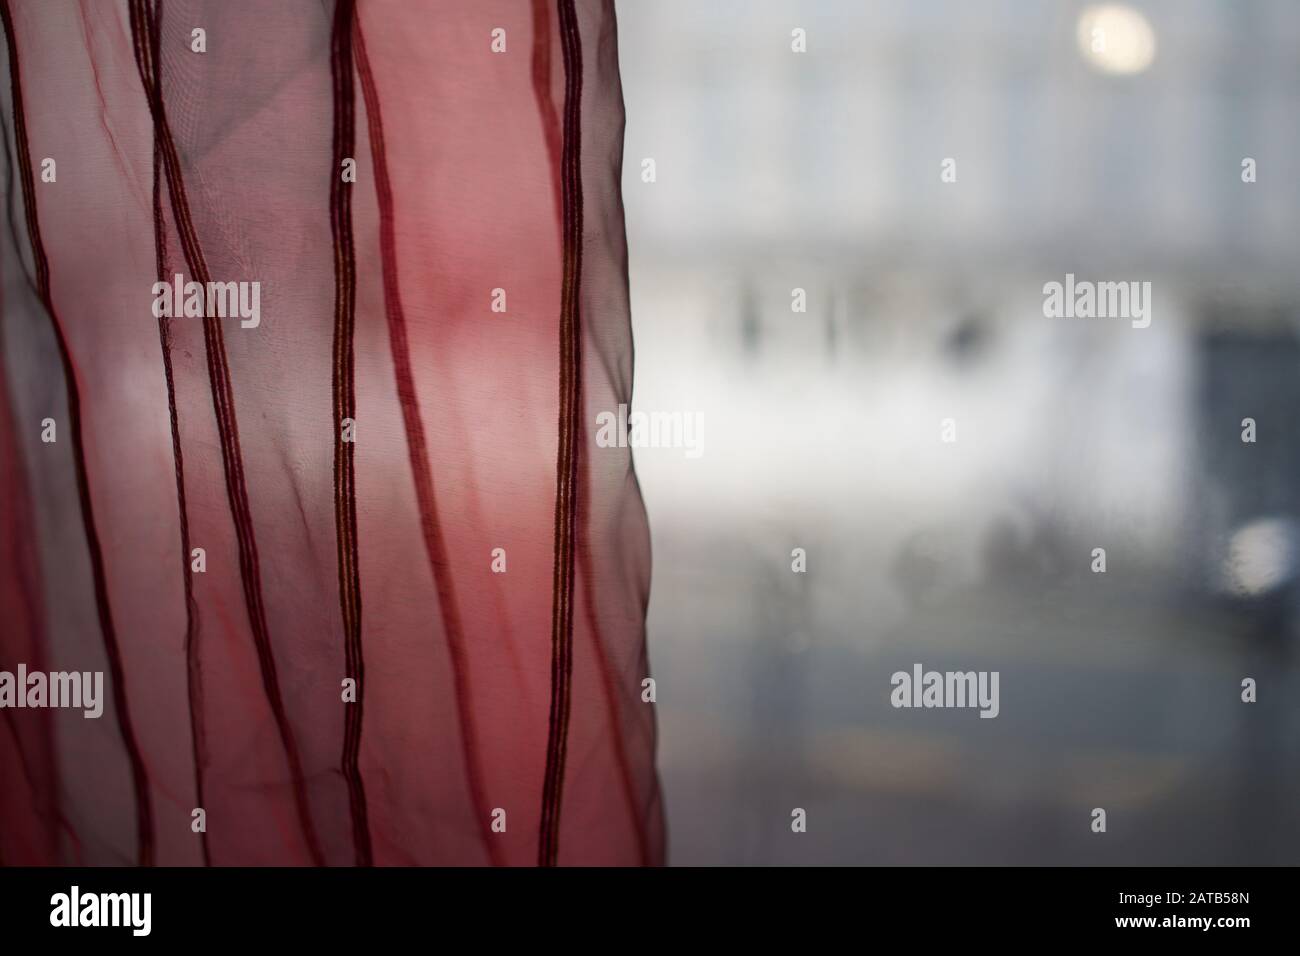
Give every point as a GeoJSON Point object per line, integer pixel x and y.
{"type": "Point", "coordinates": [776, 170]}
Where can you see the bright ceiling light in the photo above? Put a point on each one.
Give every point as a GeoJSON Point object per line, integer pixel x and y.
{"type": "Point", "coordinates": [1115, 38]}
{"type": "Point", "coordinates": [1261, 557]}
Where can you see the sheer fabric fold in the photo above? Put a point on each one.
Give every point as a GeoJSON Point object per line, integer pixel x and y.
{"type": "Point", "coordinates": [361, 585]}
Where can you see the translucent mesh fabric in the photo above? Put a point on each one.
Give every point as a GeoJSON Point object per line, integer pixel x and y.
{"type": "Point", "coordinates": [434, 342]}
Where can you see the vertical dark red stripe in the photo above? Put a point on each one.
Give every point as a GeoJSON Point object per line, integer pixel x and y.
{"type": "Point", "coordinates": [541, 67]}
{"type": "Point", "coordinates": [146, 45]}
{"type": "Point", "coordinates": [566, 468]}
{"type": "Point", "coordinates": [139, 777]}
{"type": "Point", "coordinates": [345, 404]}
{"type": "Point", "coordinates": [417, 449]}
{"type": "Point", "coordinates": [551, 131]}
{"type": "Point", "coordinates": [223, 403]}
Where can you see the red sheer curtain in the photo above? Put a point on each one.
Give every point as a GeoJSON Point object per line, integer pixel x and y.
{"type": "Point", "coordinates": [390, 470]}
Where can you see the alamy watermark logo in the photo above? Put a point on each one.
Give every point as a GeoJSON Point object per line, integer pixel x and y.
{"type": "Point", "coordinates": [212, 300]}
{"type": "Point", "coordinates": [626, 429]}
{"type": "Point", "coordinates": [36, 689]}
{"type": "Point", "coordinates": [74, 908]}
{"type": "Point", "coordinates": [1102, 300]}
{"type": "Point", "coordinates": [922, 688]}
